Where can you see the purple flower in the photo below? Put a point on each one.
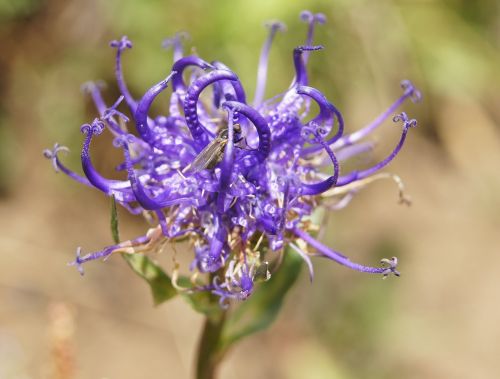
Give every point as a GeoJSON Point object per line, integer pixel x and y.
{"type": "Point", "coordinates": [240, 180]}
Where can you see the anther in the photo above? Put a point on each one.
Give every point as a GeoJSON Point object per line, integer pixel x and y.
{"type": "Point", "coordinates": [309, 17]}
{"type": "Point", "coordinates": [78, 261]}
{"type": "Point", "coordinates": [275, 25]}
{"type": "Point", "coordinates": [90, 86]}
{"type": "Point", "coordinates": [122, 44]}
{"type": "Point", "coordinates": [390, 266]}
{"type": "Point", "coordinates": [52, 154]}
{"type": "Point", "coordinates": [411, 90]}
{"type": "Point", "coordinates": [96, 127]}
{"type": "Point", "coordinates": [112, 111]}
{"type": "Point", "coordinates": [407, 122]}
{"type": "Point", "coordinates": [170, 42]}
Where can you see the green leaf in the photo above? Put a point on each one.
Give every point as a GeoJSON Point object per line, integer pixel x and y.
{"type": "Point", "coordinates": [261, 309]}
{"type": "Point", "coordinates": [114, 221]}
{"type": "Point", "coordinates": [201, 301]}
{"type": "Point", "coordinates": [159, 282]}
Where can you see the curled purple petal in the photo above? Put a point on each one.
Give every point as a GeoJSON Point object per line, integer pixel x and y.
{"type": "Point", "coordinates": [300, 63]}
{"type": "Point", "coordinates": [409, 92]}
{"type": "Point", "coordinates": [198, 132]}
{"type": "Point", "coordinates": [358, 175]}
{"type": "Point", "coordinates": [326, 252]}
{"type": "Point", "coordinates": [326, 114]}
{"type": "Point", "coordinates": [117, 188]}
{"type": "Point", "coordinates": [182, 64]}
{"type": "Point", "coordinates": [121, 45]}
{"type": "Point", "coordinates": [259, 122]}
{"type": "Point", "coordinates": [141, 113]}
{"type": "Point", "coordinates": [226, 165]}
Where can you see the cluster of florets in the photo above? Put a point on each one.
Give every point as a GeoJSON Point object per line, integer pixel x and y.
{"type": "Point", "coordinates": [238, 179]}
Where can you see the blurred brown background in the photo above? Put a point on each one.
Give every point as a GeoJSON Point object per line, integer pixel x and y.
{"type": "Point", "coordinates": [439, 320]}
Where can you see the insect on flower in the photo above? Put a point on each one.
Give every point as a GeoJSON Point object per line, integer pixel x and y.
{"type": "Point", "coordinates": [238, 207]}
{"type": "Point", "coordinates": [212, 154]}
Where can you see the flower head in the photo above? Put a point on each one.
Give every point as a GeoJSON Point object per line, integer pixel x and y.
{"type": "Point", "coordinates": [240, 180]}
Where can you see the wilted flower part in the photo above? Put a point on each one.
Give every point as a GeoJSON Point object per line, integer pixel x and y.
{"type": "Point", "coordinates": [239, 181]}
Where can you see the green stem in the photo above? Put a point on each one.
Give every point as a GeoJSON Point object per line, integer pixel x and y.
{"type": "Point", "coordinates": [209, 352]}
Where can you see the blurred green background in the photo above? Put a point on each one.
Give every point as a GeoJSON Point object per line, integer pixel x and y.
{"type": "Point", "coordinates": [439, 320]}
